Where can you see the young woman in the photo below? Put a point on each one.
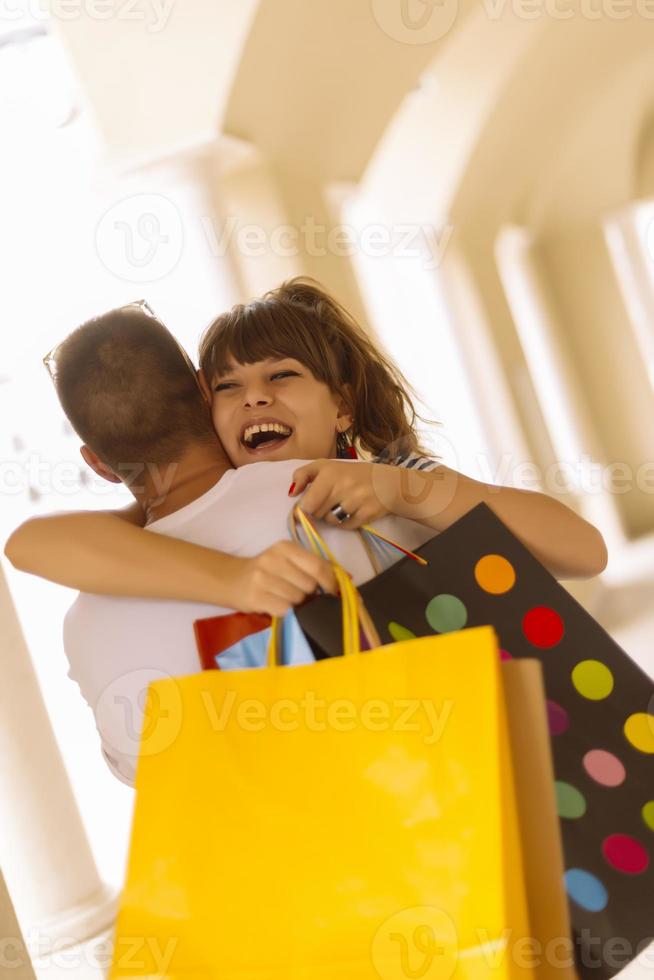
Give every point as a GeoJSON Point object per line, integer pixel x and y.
{"type": "Point", "coordinates": [291, 376]}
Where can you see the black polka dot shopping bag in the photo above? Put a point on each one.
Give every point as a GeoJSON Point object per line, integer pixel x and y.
{"type": "Point", "coordinates": [600, 707]}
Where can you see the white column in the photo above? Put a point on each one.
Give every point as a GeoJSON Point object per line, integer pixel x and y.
{"type": "Point", "coordinates": [45, 855]}
{"type": "Point", "coordinates": [15, 963]}
{"type": "Point", "coordinates": [277, 224]}
{"type": "Point", "coordinates": [254, 224]}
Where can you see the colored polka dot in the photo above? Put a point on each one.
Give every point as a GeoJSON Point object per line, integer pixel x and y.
{"type": "Point", "coordinates": [495, 574]}
{"type": "Point", "coordinates": [570, 802]}
{"type": "Point", "coordinates": [593, 680]}
{"type": "Point", "coordinates": [639, 729]}
{"type": "Point", "coordinates": [586, 890]}
{"type": "Point", "coordinates": [505, 655]}
{"type": "Point", "coordinates": [648, 814]}
{"type": "Point", "coordinates": [557, 718]}
{"type": "Point", "coordinates": [543, 627]}
{"type": "Point", "coordinates": [446, 613]}
{"type": "Point", "coordinates": [625, 853]}
{"type": "Point", "coordinates": [399, 632]}
{"type": "Point", "coordinates": [604, 767]}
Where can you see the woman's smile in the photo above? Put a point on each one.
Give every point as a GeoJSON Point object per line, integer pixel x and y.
{"type": "Point", "coordinates": [262, 435]}
{"type": "Point", "coordinates": [274, 409]}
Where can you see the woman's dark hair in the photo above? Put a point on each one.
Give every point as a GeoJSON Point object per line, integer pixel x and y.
{"type": "Point", "coordinates": [299, 319]}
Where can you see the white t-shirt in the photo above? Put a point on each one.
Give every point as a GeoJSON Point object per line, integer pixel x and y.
{"type": "Point", "coordinates": [117, 646]}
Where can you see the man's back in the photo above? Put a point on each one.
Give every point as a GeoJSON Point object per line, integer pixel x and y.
{"type": "Point", "coordinates": [117, 646]}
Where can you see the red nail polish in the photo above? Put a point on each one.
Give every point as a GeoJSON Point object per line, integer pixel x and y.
{"type": "Point", "coordinates": [292, 489]}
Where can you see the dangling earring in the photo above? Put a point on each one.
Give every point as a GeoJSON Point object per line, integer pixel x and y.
{"type": "Point", "coordinates": [341, 444]}
{"type": "Point", "coordinates": [344, 448]}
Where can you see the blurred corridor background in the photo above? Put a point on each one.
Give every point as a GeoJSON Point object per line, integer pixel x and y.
{"type": "Point", "coordinates": [474, 181]}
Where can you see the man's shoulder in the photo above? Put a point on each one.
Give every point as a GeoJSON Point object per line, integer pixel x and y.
{"type": "Point", "coordinates": [268, 470]}
{"type": "Point", "coordinates": [258, 480]}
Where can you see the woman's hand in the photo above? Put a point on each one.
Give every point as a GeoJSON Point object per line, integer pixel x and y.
{"type": "Point", "coordinates": [366, 491]}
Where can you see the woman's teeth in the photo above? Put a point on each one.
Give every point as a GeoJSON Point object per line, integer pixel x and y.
{"type": "Point", "coordinates": [254, 434]}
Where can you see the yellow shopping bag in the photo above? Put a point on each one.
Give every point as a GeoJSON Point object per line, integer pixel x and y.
{"type": "Point", "coordinates": [353, 818]}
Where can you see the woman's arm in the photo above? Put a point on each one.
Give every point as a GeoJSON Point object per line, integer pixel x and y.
{"type": "Point", "coordinates": [566, 544]}
{"type": "Point", "coordinates": [110, 553]}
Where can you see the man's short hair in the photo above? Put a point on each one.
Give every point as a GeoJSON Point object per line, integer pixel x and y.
{"type": "Point", "coordinates": [129, 390]}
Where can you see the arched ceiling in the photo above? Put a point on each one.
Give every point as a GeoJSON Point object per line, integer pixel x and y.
{"type": "Point", "coordinates": [518, 105]}
{"type": "Point", "coordinates": [313, 84]}
{"type": "Point", "coordinates": [158, 75]}
{"type": "Point", "coordinates": [560, 145]}
{"type": "Point", "coordinates": [318, 83]}
{"type": "Point", "coordinates": [545, 131]}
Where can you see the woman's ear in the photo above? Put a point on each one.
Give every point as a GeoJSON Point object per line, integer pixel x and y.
{"type": "Point", "coordinates": [204, 385]}
{"type": "Point", "coordinates": [96, 464]}
{"type": "Point", "coordinates": [345, 417]}
{"type": "Point", "coordinates": [344, 423]}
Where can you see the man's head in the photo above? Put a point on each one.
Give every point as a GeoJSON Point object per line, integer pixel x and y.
{"type": "Point", "coordinates": [130, 393]}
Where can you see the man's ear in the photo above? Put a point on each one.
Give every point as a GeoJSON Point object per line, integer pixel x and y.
{"type": "Point", "coordinates": [204, 385]}
{"type": "Point", "coordinates": [98, 466]}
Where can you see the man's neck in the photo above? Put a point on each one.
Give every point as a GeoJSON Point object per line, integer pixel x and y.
{"type": "Point", "coordinates": [167, 488]}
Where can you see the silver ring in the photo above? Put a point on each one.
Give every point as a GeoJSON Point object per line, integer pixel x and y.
{"type": "Point", "coordinates": [340, 514]}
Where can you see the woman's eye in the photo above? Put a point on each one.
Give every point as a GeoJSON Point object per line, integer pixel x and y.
{"type": "Point", "coordinates": [225, 385]}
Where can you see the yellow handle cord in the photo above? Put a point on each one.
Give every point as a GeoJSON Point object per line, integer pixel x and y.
{"type": "Point", "coordinates": [318, 543]}
{"type": "Point", "coordinates": [353, 610]}
{"type": "Point", "coordinates": [350, 621]}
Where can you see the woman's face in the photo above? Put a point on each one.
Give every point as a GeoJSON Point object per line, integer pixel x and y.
{"type": "Point", "coordinates": [275, 409]}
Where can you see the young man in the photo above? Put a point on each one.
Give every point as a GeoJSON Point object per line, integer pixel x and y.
{"type": "Point", "coordinates": [132, 395]}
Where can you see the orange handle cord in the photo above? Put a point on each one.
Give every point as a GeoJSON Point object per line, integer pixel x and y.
{"type": "Point", "coordinates": [393, 544]}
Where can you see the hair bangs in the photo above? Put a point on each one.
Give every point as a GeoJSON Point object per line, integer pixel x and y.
{"type": "Point", "coordinates": [261, 331]}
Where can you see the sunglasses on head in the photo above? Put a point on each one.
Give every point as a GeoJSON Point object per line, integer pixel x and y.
{"type": "Point", "coordinates": [50, 360]}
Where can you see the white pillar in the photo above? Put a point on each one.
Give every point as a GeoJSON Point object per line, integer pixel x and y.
{"type": "Point", "coordinates": [277, 224]}
{"type": "Point", "coordinates": [15, 962]}
{"type": "Point", "coordinates": [45, 855]}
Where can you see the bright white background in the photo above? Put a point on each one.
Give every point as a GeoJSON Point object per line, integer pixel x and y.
{"type": "Point", "coordinates": [55, 188]}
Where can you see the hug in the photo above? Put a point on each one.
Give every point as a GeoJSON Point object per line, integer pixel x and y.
{"type": "Point", "coordinates": [292, 402]}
